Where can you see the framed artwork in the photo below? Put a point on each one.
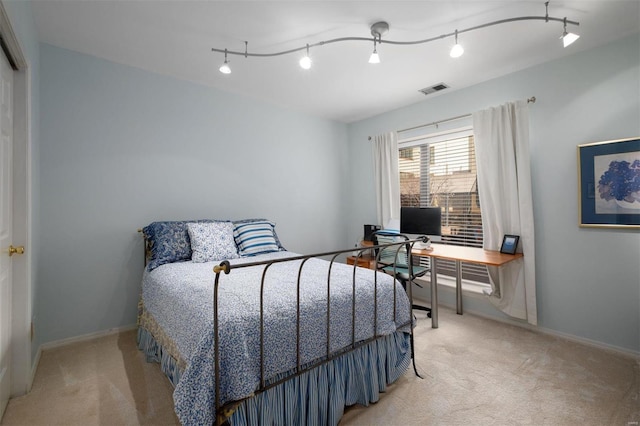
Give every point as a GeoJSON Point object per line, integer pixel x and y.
{"type": "Point", "coordinates": [609, 184]}
{"type": "Point", "coordinates": [509, 244]}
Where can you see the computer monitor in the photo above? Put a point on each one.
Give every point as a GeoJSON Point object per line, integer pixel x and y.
{"type": "Point", "coordinates": [418, 221]}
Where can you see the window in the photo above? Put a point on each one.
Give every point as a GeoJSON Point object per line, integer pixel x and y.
{"type": "Point", "coordinates": [406, 153]}
{"type": "Point", "coordinates": [440, 170]}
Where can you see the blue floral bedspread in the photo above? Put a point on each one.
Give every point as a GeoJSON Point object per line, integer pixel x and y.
{"type": "Point", "coordinates": [180, 298]}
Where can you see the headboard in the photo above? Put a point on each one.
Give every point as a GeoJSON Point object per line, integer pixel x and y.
{"type": "Point", "coordinates": [147, 247]}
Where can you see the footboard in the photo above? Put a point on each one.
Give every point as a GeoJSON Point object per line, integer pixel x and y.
{"type": "Point", "coordinates": [223, 409]}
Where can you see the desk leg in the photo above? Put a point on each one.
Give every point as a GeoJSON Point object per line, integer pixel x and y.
{"type": "Point", "coordinates": [434, 294]}
{"type": "Point", "coordinates": [458, 287]}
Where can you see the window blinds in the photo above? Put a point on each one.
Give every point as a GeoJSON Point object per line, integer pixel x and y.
{"type": "Point", "coordinates": [440, 170]}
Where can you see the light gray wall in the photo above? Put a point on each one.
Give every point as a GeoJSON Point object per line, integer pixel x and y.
{"type": "Point", "coordinates": [96, 179]}
{"type": "Point", "coordinates": [122, 147]}
{"type": "Point", "coordinates": [588, 280]}
{"type": "Point", "coordinates": [22, 22]}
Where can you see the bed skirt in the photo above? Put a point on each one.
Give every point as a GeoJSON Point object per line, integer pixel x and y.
{"type": "Point", "coordinates": [318, 396]}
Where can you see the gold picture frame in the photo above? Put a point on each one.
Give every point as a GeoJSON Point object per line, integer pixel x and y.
{"type": "Point", "coordinates": [609, 184]}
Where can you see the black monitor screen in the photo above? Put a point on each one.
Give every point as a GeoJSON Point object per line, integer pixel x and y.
{"type": "Point", "coordinates": [421, 220]}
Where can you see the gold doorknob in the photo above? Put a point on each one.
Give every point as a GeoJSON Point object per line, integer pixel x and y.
{"type": "Point", "coordinates": [16, 250]}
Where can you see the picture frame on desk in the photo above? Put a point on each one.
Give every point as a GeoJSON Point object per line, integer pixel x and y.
{"type": "Point", "coordinates": [609, 184]}
{"type": "Point", "coordinates": [509, 244]}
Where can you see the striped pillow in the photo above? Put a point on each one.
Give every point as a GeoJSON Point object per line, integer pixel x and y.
{"type": "Point", "coordinates": [255, 238]}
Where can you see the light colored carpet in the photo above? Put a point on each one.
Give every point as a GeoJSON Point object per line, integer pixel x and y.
{"type": "Point", "coordinates": [476, 371]}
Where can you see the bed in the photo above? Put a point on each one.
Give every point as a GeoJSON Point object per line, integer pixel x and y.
{"type": "Point", "coordinates": [270, 337]}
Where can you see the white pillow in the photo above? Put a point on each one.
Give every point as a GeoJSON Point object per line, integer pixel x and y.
{"type": "Point", "coordinates": [212, 241]}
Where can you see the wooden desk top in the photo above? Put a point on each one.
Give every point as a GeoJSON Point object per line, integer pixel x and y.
{"type": "Point", "coordinates": [467, 254]}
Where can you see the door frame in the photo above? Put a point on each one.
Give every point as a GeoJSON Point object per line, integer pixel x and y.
{"type": "Point", "coordinates": [21, 300]}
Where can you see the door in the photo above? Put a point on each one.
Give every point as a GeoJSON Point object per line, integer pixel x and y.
{"type": "Point", "coordinates": [6, 224]}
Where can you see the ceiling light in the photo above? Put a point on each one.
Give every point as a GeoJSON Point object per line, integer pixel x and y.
{"type": "Point", "coordinates": [568, 38]}
{"type": "Point", "coordinates": [374, 58]}
{"type": "Point", "coordinates": [379, 29]}
{"type": "Point", "coordinates": [305, 62]}
{"type": "Point", "coordinates": [456, 50]}
{"type": "Point", "coordinates": [224, 68]}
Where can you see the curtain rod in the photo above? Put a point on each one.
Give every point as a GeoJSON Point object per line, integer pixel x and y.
{"type": "Point", "coordinates": [530, 100]}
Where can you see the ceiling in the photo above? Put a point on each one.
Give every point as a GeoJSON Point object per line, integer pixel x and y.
{"type": "Point", "coordinates": [175, 38]}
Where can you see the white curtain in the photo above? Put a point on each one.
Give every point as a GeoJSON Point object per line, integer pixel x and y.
{"type": "Point", "coordinates": [504, 185]}
{"type": "Point", "coordinates": [386, 177]}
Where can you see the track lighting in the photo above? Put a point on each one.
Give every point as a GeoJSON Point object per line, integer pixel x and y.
{"type": "Point", "coordinates": [379, 29]}
{"type": "Point", "coordinates": [224, 68]}
{"type": "Point", "coordinates": [568, 38]}
{"type": "Point", "coordinates": [374, 58]}
{"type": "Point", "coordinates": [305, 62]}
{"type": "Point", "coordinates": [456, 50]}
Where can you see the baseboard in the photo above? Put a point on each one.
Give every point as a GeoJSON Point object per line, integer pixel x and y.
{"type": "Point", "coordinates": [611, 348]}
{"type": "Point", "coordinates": [34, 368]}
{"type": "Point", "coordinates": [85, 337]}
{"type": "Point", "coordinates": [542, 330]}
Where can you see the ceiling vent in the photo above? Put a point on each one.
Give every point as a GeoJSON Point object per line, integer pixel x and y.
{"type": "Point", "coordinates": [433, 89]}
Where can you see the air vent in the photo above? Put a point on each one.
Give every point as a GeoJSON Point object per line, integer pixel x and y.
{"type": "Point", "coordinates": [433, 89]}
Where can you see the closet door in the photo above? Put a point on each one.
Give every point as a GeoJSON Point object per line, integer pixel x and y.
{"type": "Point", "coordinates": [6, 224]}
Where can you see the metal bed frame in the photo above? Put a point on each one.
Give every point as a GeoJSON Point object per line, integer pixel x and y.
{"type": "Point", "coordinates": [226, 267]}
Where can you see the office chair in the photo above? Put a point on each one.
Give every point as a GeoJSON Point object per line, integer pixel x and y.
{"type": "Point", "coordinates": [395, 262]}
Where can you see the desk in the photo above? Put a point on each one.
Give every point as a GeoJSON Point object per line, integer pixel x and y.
{"type": "Point", "coordinates": [459, 254]}
{"type": "Point", "coordinates": [364, 261]}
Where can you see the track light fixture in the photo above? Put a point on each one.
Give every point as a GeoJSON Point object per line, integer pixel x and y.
{"type": "Point", "coordinates": [374, 58]}
{"type": "Point", "coordinates": [568, 38]}
{"type": "Point", "coordinates": [224, 68]}
{"type": "Point", "coordinates": [305, 62]}
{"type": "Point", "coordinates": [377, 31]}
{"type": "Point", "coordinates": [456, 50]}
{"type": "Point", "coordinates": [381, 28]}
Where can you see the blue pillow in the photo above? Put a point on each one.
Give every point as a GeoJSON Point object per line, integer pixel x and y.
{"type": "Point", "coordinates": [255, 237]}
{"type": "Point", "coordinates": [169, 241]}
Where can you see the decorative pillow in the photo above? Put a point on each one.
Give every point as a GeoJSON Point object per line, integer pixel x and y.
{"type": "Point", "coordinates": [255, 237]}
{"type": "Point", "coordinates": [168, 242]}
{"type": "Point", "coordinates": [275, 235]}
{"type": "Point", "coordinates": [212, 241]}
